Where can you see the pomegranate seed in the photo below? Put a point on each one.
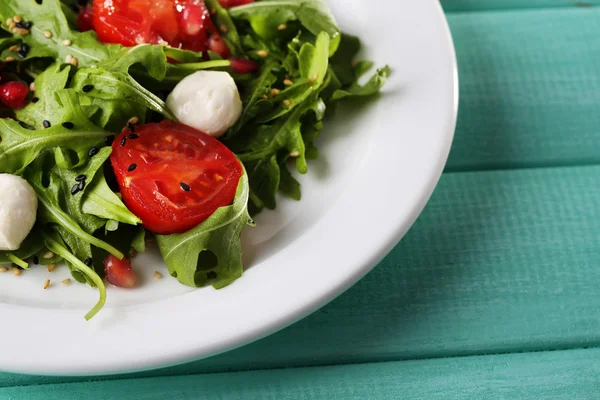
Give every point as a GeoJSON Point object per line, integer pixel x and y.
{"type": "Point", "coordinates": [85, 18]}
{"type": "Point", "coordinates": [119, 272]}
{"type": "Point", "coordinates": [243, 65]}
{"type": "Point", "coordinates": [217, 45]}
{"type": "Point", "coordinates": [233, 3]}
{"type": "Point", "coordinates": [14, 94]}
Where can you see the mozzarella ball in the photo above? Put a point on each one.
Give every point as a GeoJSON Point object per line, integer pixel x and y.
{"type": "Point", "coordinates": [18, 209]}
{"type": "Point", "coordinates": [206, 100]}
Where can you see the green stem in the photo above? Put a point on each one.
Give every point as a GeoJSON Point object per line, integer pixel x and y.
{"type": "Point", "coordinates": [16, 260]}
{"type": "Point", "coordinates": [57, 248]}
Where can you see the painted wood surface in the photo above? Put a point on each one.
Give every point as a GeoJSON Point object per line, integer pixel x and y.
{"type": "Point", "coordinates": [568, 375]}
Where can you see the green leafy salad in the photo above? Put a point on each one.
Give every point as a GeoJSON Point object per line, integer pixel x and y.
{"type": "Point", "coordinates": [126, 122]}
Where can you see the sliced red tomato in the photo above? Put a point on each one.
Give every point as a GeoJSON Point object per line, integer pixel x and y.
{"type": "Point", "coordinates": [180, 23]}
{"type": "Point", "coordinates": [233, 3]}
{"type": "Point", "coordinates": [173, 176]}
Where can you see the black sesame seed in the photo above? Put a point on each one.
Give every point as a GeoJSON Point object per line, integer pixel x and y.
{"type": "Point", "coordinates": [185, 186]}
{"type": "Point", "coordinates": [133, 136]}
{"type": "Point", "coordinates": [131, 127]}
{"type": "Point", "coordinates": [24, 47]}
{"type": "Point", "coordinates": [75, 189]}
{"type": "Point", "coordinates": [87, 88]}
{"type": "Point", "coordinates": [81, 185]}
{"type": "Point", "coordinates": [36, 260]}
{"type": "Point", "coordinates": [20, 25]}
{"type": "Point", "coordinates": [88, 261]}
{"type": "Point", "coordinates": [93, 151]}
{"type": "Point", "coordinates": [80, 178]}
{"type": "Point", "coordinates": [68, 125]}
{"type": "Point", "coordinates": [35, 99]}
{"type": "Point", "coordinates": [109, 139]}
{"type": "Point", "coordinates": [27, 25]}
{"type": "Point", "coordinates": [46, 123]}
{"type": "Point", "coordinates": [124, 140]}
{"type": "Point", "coordinates": [131, 167]}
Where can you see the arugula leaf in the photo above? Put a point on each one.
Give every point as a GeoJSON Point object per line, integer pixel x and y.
{"type": "Point", "coordinates": [265, 16]}
{"type": "Point", "coordinates": [372, 87]}
{"type": "Point", "coordinates": [49, 16]}
{"type": "Point", "coordinates": [57, 205]}
{"type": "Point", "coordinates": [190, 255]}
{"type": "Point", "coordinates": [56, 245]}
{"type": "Point", "coordinates": [20, 146]}
{"type": "Point", "coordinates": [221, 18]}
{"type": "Point", "coordinates": [98, 199]}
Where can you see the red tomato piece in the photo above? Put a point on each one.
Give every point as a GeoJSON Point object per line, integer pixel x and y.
{"type": "Point", "coordinates": [173, 176]}
{"type": "Point", "coordinates": [14, 94]}
{"type": "Point", "coordinates": [180, 23]}
{"type": "Point", "coordinates": [233, 3]}
{"type": "Point", "coordinates": [119, 272]}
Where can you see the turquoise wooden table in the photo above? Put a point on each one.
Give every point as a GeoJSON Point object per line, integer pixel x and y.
{"type": "Point", "coordinates": [495, 292]}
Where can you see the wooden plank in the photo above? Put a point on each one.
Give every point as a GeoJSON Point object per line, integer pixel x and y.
{"type": "Point", "coordinates": [550, 375]}
{"type": "Point", "coordinates": [500, 261]}
{"type": "Point", "coordinates": [530, 89]}
{"type": "Point", "coordinates": [487, 5]}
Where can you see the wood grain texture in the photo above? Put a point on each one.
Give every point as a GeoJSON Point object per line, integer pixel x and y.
{"type": "Point", "coordinates": [487, 5]}
{"type": "Point", "coordinates": [499, 261]}
{"type": "Point", "coordinates": [530, 89]}
{"type": "Point", "coordinates": [550, 375]}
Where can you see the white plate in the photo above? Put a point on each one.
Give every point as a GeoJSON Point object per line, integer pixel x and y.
{"type": "Point", "coordinates": [379, 164]}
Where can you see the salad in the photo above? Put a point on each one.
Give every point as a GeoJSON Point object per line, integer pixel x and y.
{"type": "Point", "coordinates": [173, 121]}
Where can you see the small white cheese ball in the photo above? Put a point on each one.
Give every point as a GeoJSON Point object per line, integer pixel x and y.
{"type": "Point", "coordinates": [18, 209]}
{"type": "Point", "coordinates": [206, 100]}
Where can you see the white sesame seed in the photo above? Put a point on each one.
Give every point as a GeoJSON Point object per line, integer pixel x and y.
{"type": "Point", "coordinates": [294, 153]}
{"type": "Point", "coordinates": [48, 255]}
{"type": "Point", "coordinates": [14, 48]}
{"type": "Point", "coordinates": [22, 31]}
{"type": "Point", "coordinates": [32, 86]}
{"type": "Point", "coordinates": [275, 92]}
{"type": "Point", "coordinates": [47, 34]}
{"type": "Point", "coordinates": [46, 284]}
{"type": "Point", "coordinates": [12, 26]}
{"type": "Point", "coordinates": [71, 60]}
{"type": "Point", "coordinates": [133, 120]}
{"type": "Point", "coordinates": [287, 103]}
{"type": "Point", "coordinates": [51, 267]}
{"type": "Point", "coordinates": [287, 82]}
{"type": "Point", "coordinates": [66, 42]}
{"type": "Point", "coordinates": [213, 11]}
{"type": "Point", "coordinates": [282, 27]}
{"type": "Point", "coordinates": [16, 271]}
{"type": "Point", "coordinates": [9, 21]}
{"type": "Point", "coordinates": [157, 275]}
{"type": "Point", "coordinates": [3, 269]}
{"type": "Point", "coordinates": [66, 281]}
{"type": "Point", "coordinates": [223, 28]}
{"type": "Point", "coordinates": [262, 53]}
{"type": "Point", "coordinates": [9, 59]}
{"type": "Point", "coordinates": [17, 18]}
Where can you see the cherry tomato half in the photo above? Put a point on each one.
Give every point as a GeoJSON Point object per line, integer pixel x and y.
{"type": "Point", "coordinates": [173, 176]}
{"type": "Point", "coordinates": [181, 23]}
